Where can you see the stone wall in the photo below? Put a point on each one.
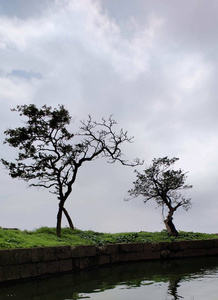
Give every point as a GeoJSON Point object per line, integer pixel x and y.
{"type": "Point", "coordinates": [18, 264]}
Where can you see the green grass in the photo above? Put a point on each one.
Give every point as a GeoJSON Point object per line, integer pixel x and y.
{"type": "Point", "coordinates": [46, 237]}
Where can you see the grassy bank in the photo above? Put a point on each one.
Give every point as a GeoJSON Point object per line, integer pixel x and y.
{"type": "Point", "coordinates": [46, 237]}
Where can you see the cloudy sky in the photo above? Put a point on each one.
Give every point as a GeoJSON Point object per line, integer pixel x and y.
{"type": "Point", "coordinates": [152, 64]}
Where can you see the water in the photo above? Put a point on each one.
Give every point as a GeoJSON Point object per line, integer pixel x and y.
{"type": "Point", "coordinates": [189, 279]}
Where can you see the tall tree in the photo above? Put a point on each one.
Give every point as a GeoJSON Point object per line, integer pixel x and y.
{"type": "Point", "coordinates": [49, 155]}
{"type": "Point", "coordinates": [163, 184]}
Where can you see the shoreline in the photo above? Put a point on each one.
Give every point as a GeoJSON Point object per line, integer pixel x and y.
{"type": "Point", "coordinates": [29, 263]}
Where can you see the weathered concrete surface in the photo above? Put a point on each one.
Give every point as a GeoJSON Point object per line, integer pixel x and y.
{"type": "Point", "coordinates": [18, 264]}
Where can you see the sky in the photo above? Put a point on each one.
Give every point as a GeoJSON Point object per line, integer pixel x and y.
{"type": "Point", "coordinates": [152, 64]}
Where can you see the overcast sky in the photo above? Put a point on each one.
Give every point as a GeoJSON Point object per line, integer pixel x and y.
{"type": "Point", "coordinates": [150, 63]}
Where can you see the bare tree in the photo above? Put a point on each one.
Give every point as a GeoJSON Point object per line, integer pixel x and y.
{"type": "Point", "coordinates": [49, 155]}
{"type": "Point", "coordinates": [163, 184]}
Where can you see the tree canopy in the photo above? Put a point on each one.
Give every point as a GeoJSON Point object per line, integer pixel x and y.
{"type": "Point", "coordinates": [165, 185]}
{"type": "Point", "coordinates": [49, 155]}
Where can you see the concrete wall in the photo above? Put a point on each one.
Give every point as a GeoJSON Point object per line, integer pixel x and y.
{"type": "Point", "coordinates": [17, 264]}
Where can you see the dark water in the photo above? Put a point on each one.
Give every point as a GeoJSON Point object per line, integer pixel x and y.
{"type": "Point", "coordinates": [189, 279]}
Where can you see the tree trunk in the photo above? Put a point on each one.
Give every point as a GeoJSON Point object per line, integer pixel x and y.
{"type": "Point", "coordinates": [68, 218]}
{"type": "Point", "coordinates": [59, 218]}
{"type": "Point", "coordinates": [170, 226]}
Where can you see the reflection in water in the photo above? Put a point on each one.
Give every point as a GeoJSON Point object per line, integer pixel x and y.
{"type": "Point", "coordinates": [192, 279]}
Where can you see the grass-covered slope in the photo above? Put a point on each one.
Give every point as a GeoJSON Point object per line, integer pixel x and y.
{"type": "Point", "coordinates": [46, 237]}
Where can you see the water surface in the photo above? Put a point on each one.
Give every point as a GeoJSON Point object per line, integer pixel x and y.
{"type": "Point", "coordinates": [189, 279]}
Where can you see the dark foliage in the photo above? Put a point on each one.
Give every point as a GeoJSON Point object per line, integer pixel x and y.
{"type": "Point", "coordinates": [49, 155]}
{"type": "Point", "coordinates": [165, 185]}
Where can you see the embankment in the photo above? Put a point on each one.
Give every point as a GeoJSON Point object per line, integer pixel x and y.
{"type": "Point", "coordinates": [19, 264]}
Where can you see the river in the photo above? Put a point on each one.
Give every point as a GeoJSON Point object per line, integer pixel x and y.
{"type": "Point", "coordinates": [189, 279]}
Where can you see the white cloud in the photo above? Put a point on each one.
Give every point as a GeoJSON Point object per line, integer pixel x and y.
{"type": "Point", "coordinates": [195, 72]}
{"type": "Point", "coordinates": [56, 34]}
{"type": "Point", "coordinates": [140, 65]}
